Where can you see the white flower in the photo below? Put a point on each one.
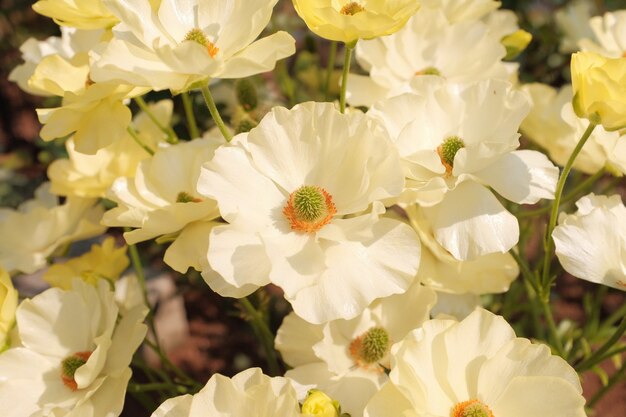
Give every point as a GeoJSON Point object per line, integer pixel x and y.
{"type": "Point", "coordinates": [8, 305]}
{"type": "Point", "coordinates": [162, 199]}
{"type": "Point", "coordinates": [591, 243]}
{"type": "Point", "coordinates": [462, 10]}
{"type": "Point", "coordinates": [573, 22]}
{"type": "Point", "coordinates": [177, 44]}
{"type": "Point", "coordinates": [476, 367]}
{"type": "Point", "coordinates": [345, 358]}
{"type": "Point", "coordinates": [428, 44]}
{"type": "Point", "coordinates": [248, 394]}
{"type": "Point", "coordinates": [610, 35]}
{"type": "Point", "coordinates": [553, 125]}
{"type": "Point", "coordinates": [83, 14]}
{"type": "Point", "coordinates": [39, 226]}
{"type": "Point", "coordinates": [454, 306]}
{"type": "Point", "coordinates": [455, 140]}
{"type": "Point", "coordinates": [285, 188]}
{"type": "Point", "coordinates": [75, 354]}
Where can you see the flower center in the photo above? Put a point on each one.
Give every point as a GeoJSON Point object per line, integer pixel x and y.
{"type": "Point", "coordinates": [309, 208]}
{"type": "Point", "coordinates": [69, 366]}
{"type": "Point", "coordinates": [447, 151]}
{"type": "Point", "coordinates": [428, 71]}
{"type": "Point", "coordinates": [198, 36]}
{"type": "Point", "coordinates": [351, 9]}
{"type": "Point", "coordinates": [471, 408]}
{"type": "Point", "coordinates": [370, 348]}
{"type": "Point", "coordinates": [184, 197]}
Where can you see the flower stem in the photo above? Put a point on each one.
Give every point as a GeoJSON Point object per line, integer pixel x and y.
{"type": "Point", "coordinates": [263, 333]}
{"type": "Point", "coordinates": [191, 118]}
{"type": "Point", "coordinates": [593, 359]}
{"type": "Point", "coordinates": [344, 77]}
{"type": "Point", "coordinates": [210, 103]}
{"type": "Point", "coordinates": [549, 242]}
{"type": "Point", "coordinates": [137, 139]}
{"type": "Point", "coordinates": [329, 68]}
{"type": "Point", "coordinates": [171, 135]}
{"type": "Point", "coordinates": [617, 377]}
{"type": "Point", "coordinates": [155, 386]}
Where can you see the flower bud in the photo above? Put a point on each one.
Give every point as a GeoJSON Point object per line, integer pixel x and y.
{"type": "Point", "coordinates": [516, 43]}
{"type": "Point", "coordinates": [319, 404]}
{"type": "Point", "coordinates": [246, 94]}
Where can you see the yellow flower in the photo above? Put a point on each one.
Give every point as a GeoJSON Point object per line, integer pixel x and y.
{"type": "Point", "coordinates": [600, 89]}
{"type": "Point", "coordinates": [83, 14]}
{"type": "Point", "coordinates": [102, 262]}
{"type": "Point", "coordinates": [319, 404]}
{"type": "Point", "coordinates": [348, 21]}
{"type": "Point", "coordinates": [8, 305]}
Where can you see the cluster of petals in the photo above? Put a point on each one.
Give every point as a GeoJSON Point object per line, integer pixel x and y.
{"type": "Point", "coordinates": [82, 14]}
{"type": "Point", "coordinates": [326, 356]}
{"type": "Point", "coordinates": [609, 35]}
{"type": "Point", "coordinates": [73, 360]}
{"type": "Point", "coordinates": [39, 226]}
{"type": "Point", "coordinates": [476, 367]}
{"type": "Point", "coordinates": [248, 394]}
{"type": "Point", "coordinates": [455, 141]}
{"type": "Point", "coordinates": [343, 262]}
{"type": "Point", "coordinates": [176, 44]}
{"type": "Point", "coordinates": [591, 243]}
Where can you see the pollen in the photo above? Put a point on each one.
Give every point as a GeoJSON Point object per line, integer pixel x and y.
{"type": "Point", "coordinates": [70, 365]}
{"type": "Point", "coordinates": [184, 197]}
{"type": "Point", "coordinates": [198, 36]}
{"type": "Point", "coordinates": [471, 408]}
{"type": "Point", "coordinates": [309, 208]}
{"type": "Point", "coordinates": [351, 9]}
{"type": "Point", "coordinates": [447, 151]}
{"type": "Point", "coordinates": [370, 348]}
{"type": "Point", "coordinates": [428, 71]}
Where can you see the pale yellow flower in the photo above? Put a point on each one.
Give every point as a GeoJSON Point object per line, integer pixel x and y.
{"type": "Point", "coordinates": [103, 261]}
{"type": "Point", "coordinates": [348, 21]}
{"type": "Point", "coordinates": [8, 305]}
{"type": "Point", "coordinates": [600, 89]}
{"type": "Point", "coordinates": [82, 14]}
{"type": "Point", "coordinates": [318, 404]}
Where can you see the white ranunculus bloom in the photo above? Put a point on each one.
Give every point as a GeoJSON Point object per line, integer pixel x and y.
{"type": "Point", "coordinates": [455, 141]}
{"type": "Point", "coordinates": [553, 125]}
{"type": "Point", "coordinates": [346, 358]}
{"type": "Point", "coordinates": [610, 35]}
{"type": "Point", "coordinates": [476, 367]}
{"type": "Point", "coordinates": [162, 199]}
{"type": "Point", "coordinates": [179, 43]}
{"type": "Point", "coordinates": [573, 23]}
{"type": "Point", "coordinates": [74, 356]}
{"type": "Point", "coordinates": [294, 191]}
{"type": "Point", "coordinates": [39, 226]}
{"type": "Point", "coordinates": [428, 44]}
{"type": "Point", "coordinates": [248, 394]}
{"type": "Point", "coordinates": [591, 243]}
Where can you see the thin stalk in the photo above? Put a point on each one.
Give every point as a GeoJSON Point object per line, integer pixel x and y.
{"type": "Point", "coordinates": [182, 376]}
{"type": "Point", "coordinates": [137, 139]}
{"type": "Point", "coordinates": [549, 242]}
{"type": "Point", "coordinates": [614, 379]}
{"type": "Point", "coordinates": [210, 103]}
{"type": "Point", "coordinates": [593, 359]}
{"type": "Point", "coordinates": [265, 335]}
{"type": "Point", "coordinates": [171, 135]}
{"type": "Point", "coordinates": [547, 313]}
{"type": "Point", "coordinates": [329, 68]}
{"type": "Point", "coordinates": [155, 386]}
{"type": "Point", "coordinates": [344, 77]}
{"type": "Point", "coordinates": [191, 118]}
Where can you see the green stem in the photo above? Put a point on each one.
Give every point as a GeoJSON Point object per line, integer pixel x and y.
{"type": "Point", "coordinates": [614, 379]}
{"type": "Point", "coordinates": [171, 135]}
{"type": "Point", "coordinates": [526, 272]}
{"type": "Point", "coordinates": [593, 359]}
{"type": "Point", "coordinates": [155, 386]}
{"type": "Point", "coordinates": [210, 103]}
{"type": "Point", "coordinates": [344, 77]}
{"type": "Point", "coordinates": [137, 139]}
{"type": "Point", "coordinates": [263, 332]}
{"type": "Point", "coordinates": [191, 118]}
{"type": "Point", "coordinates": [329, 68]}
{"type": "Point", "coordinates": [182, 376]}
{"type": "Point", "coordinates": [549, 242]}
{"type": "Point", "coordinates": [547, 313]}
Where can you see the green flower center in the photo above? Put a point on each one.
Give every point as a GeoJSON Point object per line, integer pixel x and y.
{"type": "Point", "coordinates": [429, 71]}
{"type": "Point", "coordinates": [184, 197]}
{"type": "Point", "coordinates": [309, 203]}
{"type": "Point", "coordinates": [198, 36]}
{"type": "Point", "coordinates": [448, 149]}
{"type": "Point", "coordinates": [351, 9]}
{"type": "Point", "coordinates": [471, 408]}
{"type": "Point", "coordinates": [375, 345]}
{"type": "Point", "coordinates": [71, 364]}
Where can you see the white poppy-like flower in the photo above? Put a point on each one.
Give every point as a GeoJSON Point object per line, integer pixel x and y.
{"type": "Point", "coordinates": [85, 175]}
{"type": "Point", "coordinates": [487, 274]}
{"type": "Point", "coordinates": [248, 394]}
{"type": "Point", "coordinates": [455, 141]}
{"type": "Point", "coordinates": [39, 226]}
{"type": "Point", "coordinates": [161, 198]}
{"type": "Point", "coordinates": [573, 22]}
{"type": "Point", "coordinates": [294, 191]}
{"type": "Point", "coordinates": [591, 243]}
{"type": "Point", "coordinates": [346, 358]}
{"type": "Point", "coordinates": [74, 356]}
{"type": "Point", "coordinates": [553, 125]}
{"type": "Point", "coordinates": [610, 35]}
{"type": "Point", "coordinates": [83, 14]}
{"type": "Point", "coordinates": [476, 368]}
{"type": "Point", "coordinates": [428, 44]}
{"type": "Point", "coordinates": [462, 10]}
{"type": "Point", "coordinates": [176, 44]}
{"type": "Point", "coordinates": [8, 305]}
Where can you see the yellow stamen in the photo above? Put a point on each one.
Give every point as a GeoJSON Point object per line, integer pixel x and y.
{"type": "Point", "coordinates": [471, 408]}
{"type": "Point", "coordinates": [351, 9]}
{"type": "Point", "coordinates": [196, 35]}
